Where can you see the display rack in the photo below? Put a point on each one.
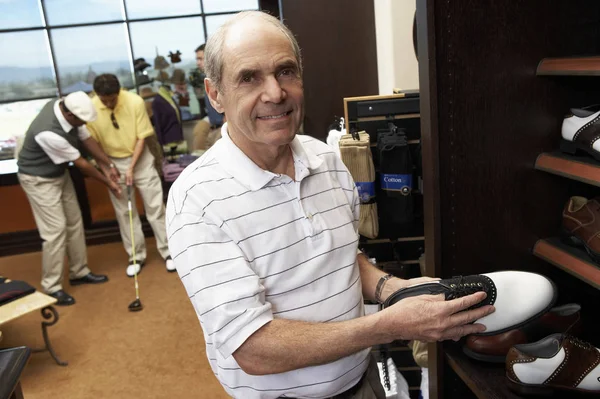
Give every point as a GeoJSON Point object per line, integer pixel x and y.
{"type": "Point", "coordinates": [396, 248]}
{"type": "Point", "coordinates": [491, 116]}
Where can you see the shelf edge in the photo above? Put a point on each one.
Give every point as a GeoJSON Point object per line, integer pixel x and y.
{"type": "Point", "coordinates": [588, 273]}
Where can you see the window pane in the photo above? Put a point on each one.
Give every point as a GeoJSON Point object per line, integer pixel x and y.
{"type": "Point", "coordinates": [213, 23]}
{"type": "Point", "coordinates": [83, 53]}
{"type": "Point", "coordinates": [162, 38]}
{"type": "Point", "coordinates": [229, 5]}
{"type": "Point", "coordinates": [65, 12]}
{"type": "Point", "coordinates": [16, 117]}
{"type": "Point", "coordinates": [161, 8]}
{"type": "Point", "coordinates": [25, 66]}
{"type": "Point", "coordinates": [20, 14]}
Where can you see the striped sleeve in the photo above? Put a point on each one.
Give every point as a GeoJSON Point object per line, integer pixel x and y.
{"type": "Point", "coordinates": [224, 290]}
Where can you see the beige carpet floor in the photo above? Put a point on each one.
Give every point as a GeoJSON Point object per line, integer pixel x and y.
{"type": "Point", "coordinates": [113, 353]}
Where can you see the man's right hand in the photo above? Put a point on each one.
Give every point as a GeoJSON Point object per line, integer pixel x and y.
{"type": "Point", "coordinates": [115, 188]}
{"type": "Point", "coordinates": [431, 318]}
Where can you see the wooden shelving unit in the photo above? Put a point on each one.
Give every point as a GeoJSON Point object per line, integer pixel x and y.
{"type": "Point", "coordinates": [572, 260]}
{"type": "Point", "coordinates": [569, 66]}
{"type": "Point", "coordinates": [583, 169]}
{"type": "Point", "coordinates": [486, 380]}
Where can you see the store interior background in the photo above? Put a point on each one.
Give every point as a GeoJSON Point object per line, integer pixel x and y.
{"type": "Point", "coordinates": [111, 353]}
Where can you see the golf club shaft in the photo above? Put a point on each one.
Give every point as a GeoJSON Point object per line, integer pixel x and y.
{"type": "Point", "coordinates": [129, 207]}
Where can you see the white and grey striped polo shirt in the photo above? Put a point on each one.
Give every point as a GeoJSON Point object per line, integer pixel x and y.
{"type": "Point", "coordinates": [251, 245]}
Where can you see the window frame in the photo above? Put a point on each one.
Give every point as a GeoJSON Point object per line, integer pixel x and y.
{"type": "Point", "coordinates": [126, 20]}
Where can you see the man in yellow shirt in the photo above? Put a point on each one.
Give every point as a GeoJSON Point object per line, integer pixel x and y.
{"type": "Point", "coordinates": [121, 127]}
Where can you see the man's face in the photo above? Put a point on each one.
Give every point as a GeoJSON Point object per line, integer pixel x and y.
{"type": "Point", "coordinates": [71, 118]}
{"type": "Point", "coordinates": [200, 59]}
{"type": "Point", "coordinates": [110, 101]}
{"type": "Point", "coordinates": [261, 89]}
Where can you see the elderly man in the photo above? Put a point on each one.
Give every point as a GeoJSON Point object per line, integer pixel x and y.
{"type": "Point", "coordinates": [263, 231]}
{"type": "Point", "coordinates": [50, 144]}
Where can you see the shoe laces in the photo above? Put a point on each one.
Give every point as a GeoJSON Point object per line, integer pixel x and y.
{"type": "Point", "coordinates": [464, 288]}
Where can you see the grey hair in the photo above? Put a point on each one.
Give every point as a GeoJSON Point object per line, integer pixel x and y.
{"type": "Point", "coordinates": [213, 52]}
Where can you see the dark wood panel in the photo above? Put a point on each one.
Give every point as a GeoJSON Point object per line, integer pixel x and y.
{"type": "Point", "coordinates": [337, 38]}
{"type": "Point", "coordinates": [495, 117]}
{"type": "Point", "coordinates": [485, 117]}
{"type": "Point", "coordinates": [269, 6]}
{"type": "Point", "coordinates": [486, 380]}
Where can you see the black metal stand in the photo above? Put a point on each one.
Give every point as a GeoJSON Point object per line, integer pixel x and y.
{"type": "Point", "coordinates": [49, 313]}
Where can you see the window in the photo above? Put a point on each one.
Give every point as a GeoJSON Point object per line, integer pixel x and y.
{"type": "Point", "coordinates": [47, 52]}
{"type": "Point", "coordinates": [66, 12]}
{"type": "Point", "coordinates": [153, 38]}
{"type": "Point", "coordinates": [214, 6]}
{"type": "Point", "coordinates": [83, 53]}
{"type": "Point", "coordinates": [16, 117]}
{"type": "Point", "coordinates": [161, 8]}
{"type": "Point", "coordinates": [214, 22]}
{"type": "Point", "coordinates": [25, 66]}
{"type": "Point", "coordinates": [155, 41]}
{"type": "Point", "coordinates": [16, 14]}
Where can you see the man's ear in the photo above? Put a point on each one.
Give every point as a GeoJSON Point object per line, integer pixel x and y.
{"type": "Point", "coordinates": [214, 95]}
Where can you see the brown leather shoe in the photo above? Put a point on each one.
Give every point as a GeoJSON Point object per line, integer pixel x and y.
{"type": "Point", "coordinates": [581, 225]}
{"type": "Point", "coordinates": [558, 364]}
{"type": "Point", "coordinates": [493, 348]}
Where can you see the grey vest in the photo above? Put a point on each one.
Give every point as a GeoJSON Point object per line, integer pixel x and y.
{"type": "Point", "coordinates": [32, 159]}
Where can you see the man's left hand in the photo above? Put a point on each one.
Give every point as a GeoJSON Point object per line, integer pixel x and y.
{"type": "Point", "coordinates": [129, 177]}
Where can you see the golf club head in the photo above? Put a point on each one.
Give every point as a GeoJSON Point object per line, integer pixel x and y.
{"type": "Point", "coordinates": [136, 306]}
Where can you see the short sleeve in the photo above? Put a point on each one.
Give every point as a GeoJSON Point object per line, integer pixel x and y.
{"type": "Point", "coordinates": [83, 133]}
{"type": "Point", "coordinates": [57, 148]}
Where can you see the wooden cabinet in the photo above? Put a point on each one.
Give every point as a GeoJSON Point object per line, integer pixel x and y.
{"type": "Point", "coordinates": [488, 110]}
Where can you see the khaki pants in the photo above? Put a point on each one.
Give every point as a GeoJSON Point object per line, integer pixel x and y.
{"type": "Point", "coordinates": [58, 219]}
{"type": "Point", "coordinates": [147, 181]}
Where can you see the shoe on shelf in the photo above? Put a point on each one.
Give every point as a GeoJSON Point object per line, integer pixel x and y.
{"type": "Point", "coordinates": [62, 298]}
{"type": "Point", "coordinates": [518, 296]}
{"type": "Point", "coordinates": [581, 225]}
{"type": "Point", "coordinates": [581, 131]}
{"type": "Point", "coordinates": [170, 264]}
{"type": "Point", "coordinates": [493, 348]}
{"type": "Point", "coordinates": [559, 365]}
{"type": "Point", "coordinates": [89, 278]}
{"type": "Point", "coordinates": [134, 269]}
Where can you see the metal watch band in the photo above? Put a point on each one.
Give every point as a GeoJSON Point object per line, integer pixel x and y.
{"type": "Point", "coordinates": [380, 285]}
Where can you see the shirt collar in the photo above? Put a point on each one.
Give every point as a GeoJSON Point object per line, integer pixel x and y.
{"type": "Point", "coordinates": [238, 165]}
{"type": "Point", "coordinates": [66, 126]}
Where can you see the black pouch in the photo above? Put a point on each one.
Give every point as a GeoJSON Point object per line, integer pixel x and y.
{"type": "Point", "coordinates": [14, 289]}
{"type": "Point", "coordinates": [396, 203]}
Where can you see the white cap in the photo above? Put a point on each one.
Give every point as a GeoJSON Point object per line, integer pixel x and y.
{"type": "Point", "coordinates": [80, 105]}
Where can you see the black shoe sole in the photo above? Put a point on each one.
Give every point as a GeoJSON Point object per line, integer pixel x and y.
{"type": "Point", "coordinates": [571, 147]}
{"type": "Point", "coordinates": [76, 282]}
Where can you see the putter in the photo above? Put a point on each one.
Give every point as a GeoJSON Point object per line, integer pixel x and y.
{"type": "Point", "coordinates": [136, 305]}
